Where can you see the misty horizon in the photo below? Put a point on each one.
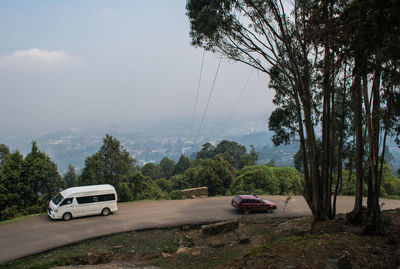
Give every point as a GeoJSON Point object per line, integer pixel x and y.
{"type": "Point", "coordinates": [115, 62]}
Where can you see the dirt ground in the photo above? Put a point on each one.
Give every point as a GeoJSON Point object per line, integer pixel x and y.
{"type": "Point", "coordinates": [259, 242]}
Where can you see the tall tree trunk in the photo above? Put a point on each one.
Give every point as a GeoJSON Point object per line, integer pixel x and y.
{"type": "Point", "coordinates": [339, 178]}
{"type": "Point", "coordinates": [317, 202]}
{"type": "Point", "coordinates": [356, 215]}
{"type": "Point", "coordinates": [373, 212]}
{"type": "Point", "coordinates": [308, 186]}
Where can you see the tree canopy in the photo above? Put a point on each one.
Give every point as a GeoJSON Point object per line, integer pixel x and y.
{"type": "Point", "coordinates": [316, 54]}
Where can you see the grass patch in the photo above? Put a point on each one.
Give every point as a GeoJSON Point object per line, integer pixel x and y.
{"type": "Point", "coordinates": [273, 243]}
{"type": "Point", "coordinates": [21, 217]}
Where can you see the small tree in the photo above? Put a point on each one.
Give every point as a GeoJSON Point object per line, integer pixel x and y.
{"type": "Point", "coordinates": [183, 164]}
{"type": "Point", "coordinates": [112, 164]}
{"type": "Point", "coordinates": [4, 153]}
{"type": "Point", "coordinates": [42, 177]}
{"type": "Point", "coordinates": [70, 177]}
{"type": "Point", "coordinates": [167, 167]}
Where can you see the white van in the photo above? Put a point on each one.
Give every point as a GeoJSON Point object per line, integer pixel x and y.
{"type": "Point", "coordinates": [83, 201]}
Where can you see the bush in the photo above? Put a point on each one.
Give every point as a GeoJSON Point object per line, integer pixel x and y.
{"type": "Point", "coordinates": [216, 175]}
{"type": "Point", "coordinates": [175, 195]}
{"type": "Point", "coordinates": [146, 188]}
{"type": "Point", "coordinates": [164, 184]}
{"type": "Point", "coordinates": [261, 179]}
{"type": "Point", "coordinates": [390, 183]}
{"type": "Point", "coordinates": [9, 213]}
{"type": "Point", "coordinates": [35, 209]}
{"type": "Point", "coordinates": [256, 179]}
{"type": "Point", "coordinates": [124, 192]}
{"type": "Point", "coordinates": [180, 182]}
{"type": "Point", "coordinates": [289, 180]}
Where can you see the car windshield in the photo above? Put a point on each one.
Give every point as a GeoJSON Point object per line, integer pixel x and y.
{"type": "Point", "coordinates": [237, 199]}
{"type": "Point", "coordinates": [57, 199]}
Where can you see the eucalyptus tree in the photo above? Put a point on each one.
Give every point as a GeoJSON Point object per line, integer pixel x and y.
{"type": "Point", "coordinates": [371, 35]}
{"type": "Point", "coordinates": [276, 38]}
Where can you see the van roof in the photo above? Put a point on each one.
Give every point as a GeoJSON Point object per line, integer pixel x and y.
{"type": "Point", "coordinates": [82, 189]}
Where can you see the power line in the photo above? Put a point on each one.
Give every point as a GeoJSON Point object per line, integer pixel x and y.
{"type": "Point", "coordinates": [240, 96]}
{"type": "Point", "coordinates": [209, 97]}
{"type": "Point", "coordinates": [197, 94]}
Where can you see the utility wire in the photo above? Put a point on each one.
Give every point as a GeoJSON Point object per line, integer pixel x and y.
{"type": "Point", "coordinates": [197, 94]}
{"type": "Point", "coordinates": [240, 97]}
{"type": "Point", "coordinates": [209, 97]}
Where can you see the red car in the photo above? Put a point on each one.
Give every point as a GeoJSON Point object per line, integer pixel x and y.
{"type": "Point", "coordinates": [247, 203]}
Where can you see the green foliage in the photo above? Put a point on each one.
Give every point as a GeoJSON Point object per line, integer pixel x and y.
{"type": "Point", "coordinates": [263, 179]}
{"type": "Point", "coordinates": [175, 195]}
{"type": "Point", "coordinates": [164, 184]}
{"type": "Point", "coordinates": [167, 167]}
{"type": "Point", "coordinates": [124, 192]}
{"type": "Point", "coordinates": [390, 183]}
{"type": "Point", "coordinates": [151, 170]}
{"type": "Point", "coordinates": [257, 180]}
{"type": "Point", "coordinates": [10, 212]}
{"type": "Point", "coordinates": [183, 164]}
{"type": "Point", "coordinates": [12, 185]}
{"type": "Point", "coordinates": [180, 182]}
{"type": "Point", "coordinates": [112, 164]}
{"type": "Point", "coordinates": [26, 185]}
{"type": "Point", "coordinates": [42, 177]}
{"type": "Point", "coordinates": [70, 177]}
{"type": "Point", "coordinates": [4, 153]}
{"type": "Point", "coordinates": [144, 187]}
{"type": "Point", "coordinates": [230, 151]}
{"type": "Point", "coordinates": [138, 187]}
{"type": "Point", "coordinates": [349, 184]}
{"type": "Point", "coordinates": [215, 174]}
{"type": "Point", "coordinates": [289, 180]}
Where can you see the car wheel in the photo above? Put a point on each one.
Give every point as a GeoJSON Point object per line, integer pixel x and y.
{"type": "Point", "coordinates": [270, 210]}
{"type": "Point", "coordinates": [105, 212]}
{"type": "Point", "coordinates": [246, 211]}
{"type": "Point", "coordinates": [67, 216]}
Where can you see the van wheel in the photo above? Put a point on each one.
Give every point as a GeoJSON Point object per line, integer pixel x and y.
{"type": "Point", "coordinates": [67, 216]}
{"type": "Point", "coordinates": [105, 212]}
{"type": "Point", "coordinates": [270, 210]}
{"type": "Point", "coordinates": [246, 211]}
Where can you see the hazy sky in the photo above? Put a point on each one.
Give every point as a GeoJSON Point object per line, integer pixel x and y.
{"type": "Point", "coordinates": [65, 63]}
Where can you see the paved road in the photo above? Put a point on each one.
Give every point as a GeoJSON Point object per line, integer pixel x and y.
{"type": "Point", "coordinates": [38, 234]}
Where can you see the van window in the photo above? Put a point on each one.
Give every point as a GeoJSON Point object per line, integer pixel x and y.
{"type": "Point", "coordinates": [84, 200]}
{"type": "Point", "coordinates": [57, 199]}
{"type": "Point", "coordinates": [106, 197]}
{"type": "Point", "coordinates": [95, 198]}
{"type": "Point", "coordinates": [67, 201]}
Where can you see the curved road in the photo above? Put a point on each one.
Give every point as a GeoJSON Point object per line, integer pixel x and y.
{"type": "Point", "coordinates": [37, 234]}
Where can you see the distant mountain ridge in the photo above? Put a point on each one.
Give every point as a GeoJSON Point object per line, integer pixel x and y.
{"type": "Point", "coordinates": [74, 145]}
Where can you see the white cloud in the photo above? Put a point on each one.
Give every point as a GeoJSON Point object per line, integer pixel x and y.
{"type": "Point", "coordinates": [33, 58]}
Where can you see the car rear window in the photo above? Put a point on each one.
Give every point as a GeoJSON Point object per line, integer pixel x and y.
{"type": "Point", "coordinates": [237, 199]}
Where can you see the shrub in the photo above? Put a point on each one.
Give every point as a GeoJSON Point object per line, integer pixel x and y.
{"type": "Point", "coordinates": [256, 179]}
{"type": "Point", "coordinates": [124, 192]}
{"type": "Point", "coordinates": [9, 213]}
{"type": "Point", "coordinates": [175, 195]}
{"type": "Point", "coordinates": [164, 184]}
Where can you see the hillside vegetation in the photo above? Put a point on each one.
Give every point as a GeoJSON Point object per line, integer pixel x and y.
{"type": "Point", "coordinates": [27, 184]}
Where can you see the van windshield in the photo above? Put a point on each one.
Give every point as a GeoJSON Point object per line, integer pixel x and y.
{"type": "Point", "coordinates": [57, 199]}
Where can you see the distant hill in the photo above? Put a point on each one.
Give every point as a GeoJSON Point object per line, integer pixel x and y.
{"type": "Point", "coordinates": [153, 142]}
